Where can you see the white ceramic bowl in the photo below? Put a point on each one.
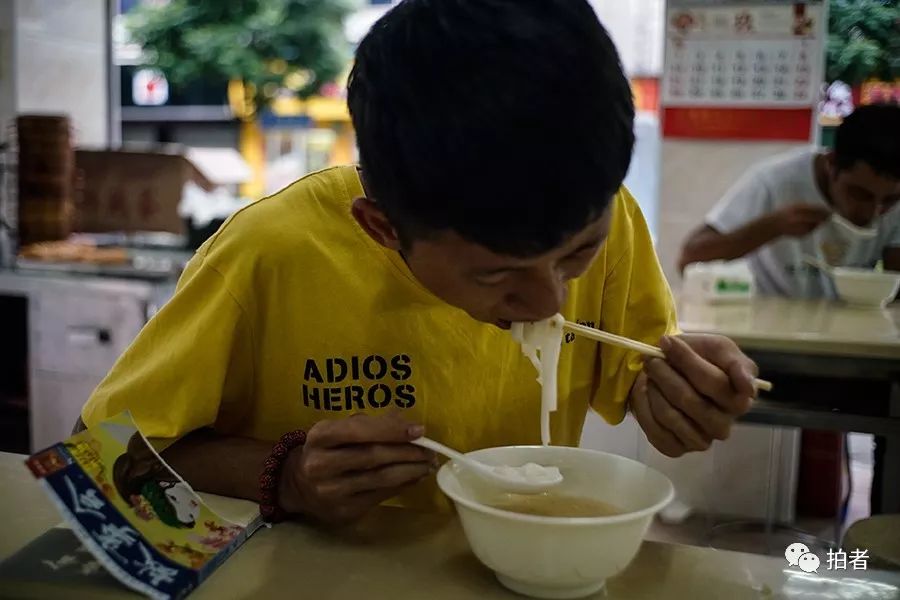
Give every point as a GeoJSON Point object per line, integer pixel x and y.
{"type": "Point", "coordinates": [559, 557]}
{"type": "Point", "coordinates": [865, 287]}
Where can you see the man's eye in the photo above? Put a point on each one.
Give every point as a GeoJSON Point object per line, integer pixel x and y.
{"type": "Point", "coordinates": [492, 279]}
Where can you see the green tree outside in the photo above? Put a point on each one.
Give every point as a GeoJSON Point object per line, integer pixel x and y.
{"type": "Point", "coordinates": [863, 41]}
{"type": "Point", "coordinates": [268, 45]}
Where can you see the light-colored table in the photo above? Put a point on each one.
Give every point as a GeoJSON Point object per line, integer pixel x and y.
{"type": "Point", "coordinates": [399, 554]}
{"type": "Point", "coordinates": [806, 327]}
{"type": "Point", "coordinates": [819, 339]}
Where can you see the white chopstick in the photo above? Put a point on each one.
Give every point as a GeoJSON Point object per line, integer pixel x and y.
{"type": "Point", "coordinates": [646, 349]}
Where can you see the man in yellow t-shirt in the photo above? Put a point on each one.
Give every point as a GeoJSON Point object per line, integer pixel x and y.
{"type": "Point", "coordinates": [494, 137]}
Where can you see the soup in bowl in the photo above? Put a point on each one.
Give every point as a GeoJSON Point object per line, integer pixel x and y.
{"type": "Point", "coordinates": [563, 543]}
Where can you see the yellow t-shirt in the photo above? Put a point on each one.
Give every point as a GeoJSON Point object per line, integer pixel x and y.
{"type": "Point", "coordinates": [291, 314]}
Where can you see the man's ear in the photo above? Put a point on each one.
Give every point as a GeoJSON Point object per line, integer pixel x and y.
{"type": "Point", "coordinates": [375, 223]}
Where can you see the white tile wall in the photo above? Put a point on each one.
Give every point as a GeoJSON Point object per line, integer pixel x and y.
{"type": "Point", "coordinates": [643, 176]}
{"type": "Point", "coordinates": [7, 65]}
{"type": "Point", "coordinates": [694, 175]}
{"type": "Point", "coordinates": [636, 27]}
{"type": "Point", "coordinates": [60, 63]}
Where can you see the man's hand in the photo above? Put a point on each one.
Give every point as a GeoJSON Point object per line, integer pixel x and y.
{"type": "Point", "coordinates": [799, 220]}
{"type": "Point", "coordinates": [693, 397]}
{"type": "Point", "coordinates": [350, 465]}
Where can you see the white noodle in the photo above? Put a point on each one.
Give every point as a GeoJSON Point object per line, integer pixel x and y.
{"type": "Point", "coordinates": [531, 473]}
{"type": "Point", "coordinates": [519, 332]}
{"type": "Point", "coordinates": [541, 343]}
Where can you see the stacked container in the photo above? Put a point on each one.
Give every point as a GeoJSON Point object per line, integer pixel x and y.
{"type": "Point", "coordinates": [46, 178]}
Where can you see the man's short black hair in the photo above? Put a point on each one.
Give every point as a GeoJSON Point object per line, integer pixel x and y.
{"type": "Point", "coordinates": [871, 134]}
{"type": "Point", "coordinates": [509, 122]}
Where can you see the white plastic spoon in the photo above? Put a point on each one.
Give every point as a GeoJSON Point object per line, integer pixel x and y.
{"type": "Point", "coordinates": [530, 478]}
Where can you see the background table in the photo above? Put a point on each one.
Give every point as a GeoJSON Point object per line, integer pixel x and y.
{"type": "Point", "coordinates": [824, 340]}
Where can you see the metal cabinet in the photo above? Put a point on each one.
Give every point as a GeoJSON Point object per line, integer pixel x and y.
{"type": "Point", "coordinates": [83, 333]}
{"type": "Point", "coordinates": [77, 328]}
{"type": "Point", "coordinates": [76, 338]}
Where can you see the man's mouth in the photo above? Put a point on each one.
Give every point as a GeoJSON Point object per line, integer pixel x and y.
{"type": "Point", "coordinates": [507, 323]}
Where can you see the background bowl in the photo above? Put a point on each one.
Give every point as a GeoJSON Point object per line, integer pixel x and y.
{"type": "Point", "coordinates": [558, 557]}
{"type": "Point", "coordinates": [864, 287]}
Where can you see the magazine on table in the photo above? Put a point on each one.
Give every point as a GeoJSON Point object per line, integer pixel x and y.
{"type": "Point", "coordinates": [135, 515]}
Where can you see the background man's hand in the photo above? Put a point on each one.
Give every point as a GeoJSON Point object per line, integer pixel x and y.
{"type": "Point", "coordinates": [348, 466]}
{"type": "Point", "coordinates": [693, 397]}
{"type": "Point", "coordinates": [799, 220]}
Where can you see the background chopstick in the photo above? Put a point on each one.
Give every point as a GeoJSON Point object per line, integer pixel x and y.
{"type": "Point", "coordinates": [646, 349]}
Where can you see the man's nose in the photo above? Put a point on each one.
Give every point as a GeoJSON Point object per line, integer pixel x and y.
{"type": "Point", "coordinates": [541, 298]}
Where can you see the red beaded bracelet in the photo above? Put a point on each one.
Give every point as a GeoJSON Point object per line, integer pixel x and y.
{"type": "Point", "coordinates": [268, 481]}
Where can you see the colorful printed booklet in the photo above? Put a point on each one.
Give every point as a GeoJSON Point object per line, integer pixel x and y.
{"type": "Point", "coordinates": [138, 518]}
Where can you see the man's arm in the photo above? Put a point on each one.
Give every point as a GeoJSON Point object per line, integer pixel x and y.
{"type": "Point", "coordinates": [218, 464]}
{"type": "Point", "coordinates": [707, 244]}
{"type": "Point", "coordinates": [346, 467]}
